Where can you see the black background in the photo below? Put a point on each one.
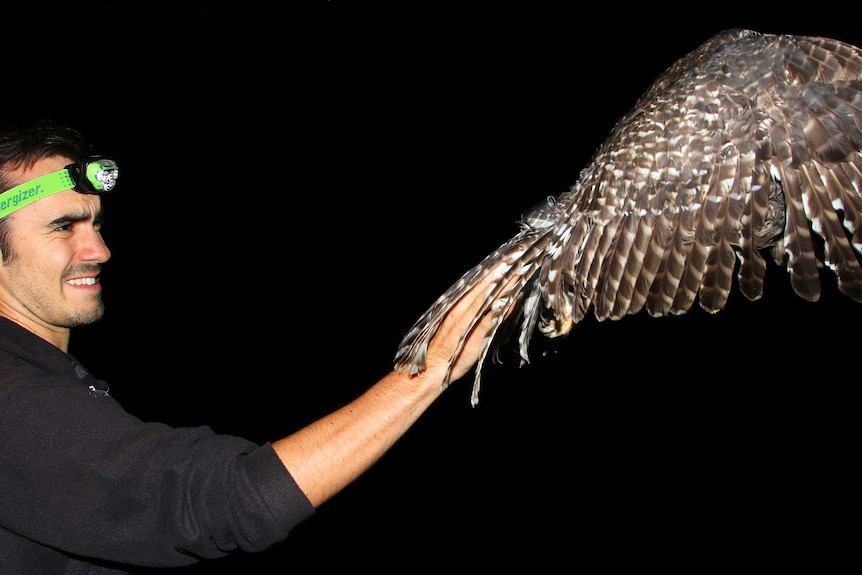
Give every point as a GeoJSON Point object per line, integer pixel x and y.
{"type": "Point", "coordinates": [300, 182]}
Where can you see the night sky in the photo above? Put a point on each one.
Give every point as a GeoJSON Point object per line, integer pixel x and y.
{"type": "Point", "coordinates": [299, 184]}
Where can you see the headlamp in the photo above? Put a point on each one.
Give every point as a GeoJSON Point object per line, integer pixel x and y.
{"type": "Point", "coordinates": [92, 175]}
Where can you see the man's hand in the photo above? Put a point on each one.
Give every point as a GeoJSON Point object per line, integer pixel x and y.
{"type": "Point", "coordinates": [456, 323]}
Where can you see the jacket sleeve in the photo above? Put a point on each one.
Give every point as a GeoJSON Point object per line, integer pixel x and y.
{"type": "Point", "coordinates": [79, 473]}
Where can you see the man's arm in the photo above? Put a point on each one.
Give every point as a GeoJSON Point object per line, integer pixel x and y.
{"type": "Point", "coordinates": [330, 453]}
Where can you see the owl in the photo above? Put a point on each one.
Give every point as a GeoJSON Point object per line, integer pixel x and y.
{"type": "Point", "coordinates": [747, 148]}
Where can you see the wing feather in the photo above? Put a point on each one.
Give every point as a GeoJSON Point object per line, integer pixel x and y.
{"type": "Point", "coordinates": [635, 268]}
{"type": "Point", "coordinates": [653, 259]}
{"type": "Point", "coordinates": [802, 262]}
{"type": "Point", "coordinates": [602, 242]}
{"type": "Point", "coordinates": [615, 287]}
{"type": "Point", "coordinates": [704, 239]}
{"type": "Point", "coordinates": [839, 255]}
{"type": "Point", "coordinates": [721, 261]}
{"type": "Point", "coordinates": [757, 232]}
{"type": "Point", "coordinates": [663, 290]}
{"type": "Point", "coordinates": [844, 183]}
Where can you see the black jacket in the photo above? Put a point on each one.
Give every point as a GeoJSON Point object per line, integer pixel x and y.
{"type": "Point", "coordinates": [85, 487]}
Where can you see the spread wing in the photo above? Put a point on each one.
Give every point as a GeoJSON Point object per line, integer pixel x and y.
{"type": "Point", "coordinates": [746, 148]}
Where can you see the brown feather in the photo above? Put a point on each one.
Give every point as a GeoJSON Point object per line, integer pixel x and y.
{"type": "Point", "coordinates": [756, 234]}
{"type": "Point", "coordinates": [634, 268]}
{"type": "Point", "coordinates": [825, 221]}
{"type": "Point", "coordinates": [652, 260]}
{"type": "Point", "coordinates": [662, 292]}
{"type": "Point", "coordinates": [613, 276]}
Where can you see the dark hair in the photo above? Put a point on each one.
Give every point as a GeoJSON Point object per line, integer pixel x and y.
{"type": "Point", "coordinates": [24, 142]}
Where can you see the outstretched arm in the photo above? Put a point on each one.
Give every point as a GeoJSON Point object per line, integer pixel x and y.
{"type": "Point", "coordinates": [327, 455]}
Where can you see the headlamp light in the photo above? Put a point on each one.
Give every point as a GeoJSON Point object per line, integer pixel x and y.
{"type": "Point", "coordinates": [92, 175]}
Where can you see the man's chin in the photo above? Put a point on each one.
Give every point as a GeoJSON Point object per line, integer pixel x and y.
{"type": "Point", "coordinates": [84, 317]}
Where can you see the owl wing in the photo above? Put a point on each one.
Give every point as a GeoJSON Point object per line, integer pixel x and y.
{"type": "Point", "coordinates": [748, 147]}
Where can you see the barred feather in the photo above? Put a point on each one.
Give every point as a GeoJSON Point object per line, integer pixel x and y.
{"type": "Point", "coordinates": [653, 258]}
{"type": "Point", "coordinates": [614, 277]}
{"type": "Point", "coordinates": [757, 232]}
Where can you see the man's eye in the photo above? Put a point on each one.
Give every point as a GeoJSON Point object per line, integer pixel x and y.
{"type": "Point", "coordinates": [63, 227]}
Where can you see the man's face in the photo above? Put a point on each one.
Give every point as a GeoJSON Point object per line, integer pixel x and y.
{"type": "Point", "coordinates": [51, 283]}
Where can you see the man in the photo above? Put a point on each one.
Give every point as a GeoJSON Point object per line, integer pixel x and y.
{"type": "Point", "coordinates": [89, 488]}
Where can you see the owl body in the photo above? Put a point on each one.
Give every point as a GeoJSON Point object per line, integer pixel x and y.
{"type": "Point", "coordinates": [746, 148]}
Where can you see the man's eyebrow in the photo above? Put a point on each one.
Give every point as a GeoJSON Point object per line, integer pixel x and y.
{"type": "Point", "coordinates": [76, 218]}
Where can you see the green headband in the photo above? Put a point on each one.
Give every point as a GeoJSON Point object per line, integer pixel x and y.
{"type": "Point", "coordinates": [91, 176]}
